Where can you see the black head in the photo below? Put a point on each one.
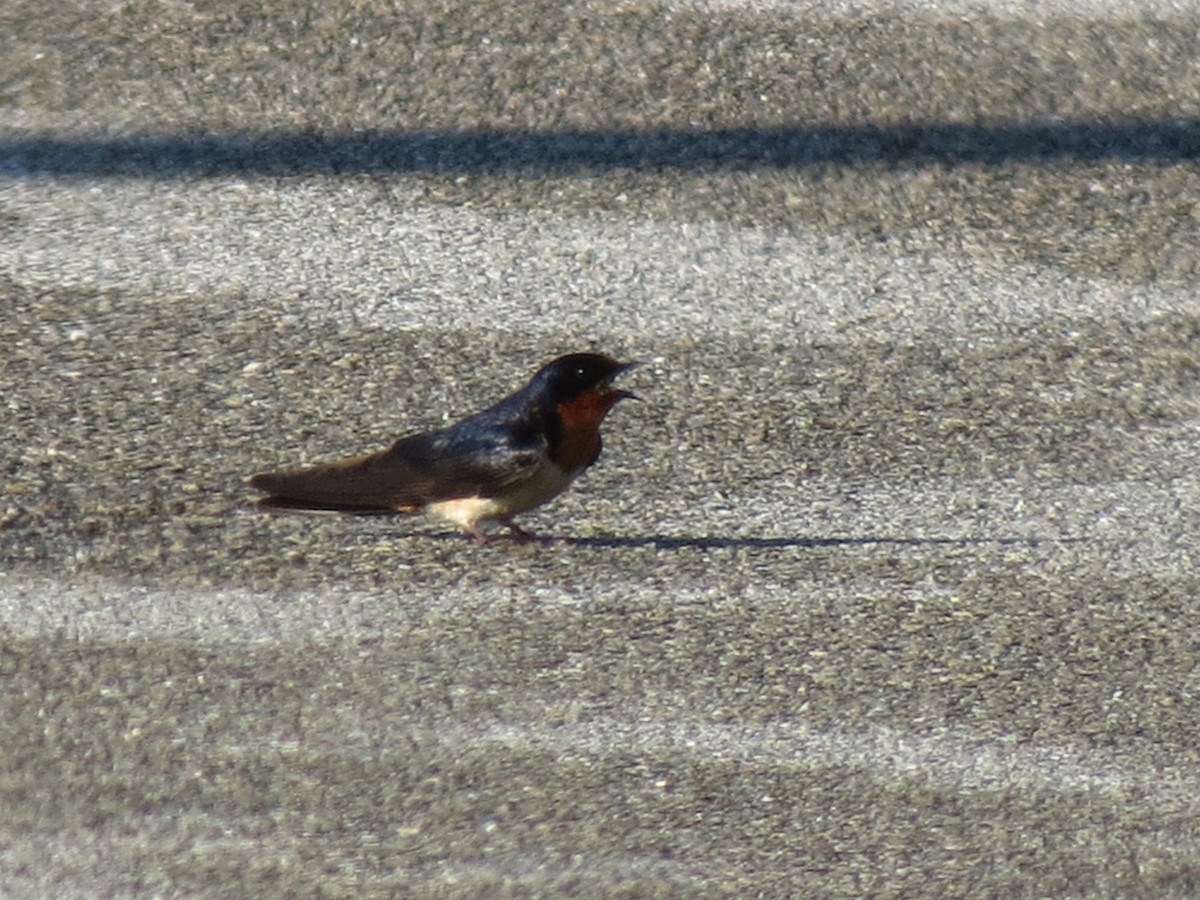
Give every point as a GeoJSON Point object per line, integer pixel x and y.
{"type": "Point", "coordinates": [575, 374]}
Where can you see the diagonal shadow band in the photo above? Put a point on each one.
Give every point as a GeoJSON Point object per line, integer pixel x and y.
{"type": "Point", "coordinates": [708, 541]}
{"type": "Point", "coordinates": [1162, 142]}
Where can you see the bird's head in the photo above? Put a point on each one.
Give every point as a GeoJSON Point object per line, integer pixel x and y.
{"type": "Point", "coordinates": [581, 378]}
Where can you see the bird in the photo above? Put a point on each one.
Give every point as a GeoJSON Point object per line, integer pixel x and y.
{"type": "Point", "coordinates": [493, 465]}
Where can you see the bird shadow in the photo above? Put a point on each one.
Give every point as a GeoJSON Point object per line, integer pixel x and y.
{"type": "Point", "coordinates": [691, 542]}
{"type": "Point", "coordinates": [722, 542]}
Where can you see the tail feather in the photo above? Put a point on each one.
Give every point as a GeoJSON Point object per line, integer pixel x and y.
{"type": "Point", "coordinates": [354, 486]}
{"type": "Point", "coordinates": [284, 504]}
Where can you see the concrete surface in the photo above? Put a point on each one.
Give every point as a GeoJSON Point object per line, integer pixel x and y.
{"type": "Point", "coordinates": [889, 588]}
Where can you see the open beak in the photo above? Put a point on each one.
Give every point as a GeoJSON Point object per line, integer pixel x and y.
{"type": "Point", "coordinates": [622, 394]}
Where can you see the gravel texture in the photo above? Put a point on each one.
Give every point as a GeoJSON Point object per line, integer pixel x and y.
{"type": "Point", "coordinates": [889, 587]}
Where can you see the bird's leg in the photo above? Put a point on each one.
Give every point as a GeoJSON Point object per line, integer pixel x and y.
{"type": "Point", "coordinates": [477, 534]}
{"type": "Point", "coordinates": [520, 534]}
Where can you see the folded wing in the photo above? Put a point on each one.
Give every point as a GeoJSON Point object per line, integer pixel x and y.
{"type": "Point", "coordinates": [472, 459]}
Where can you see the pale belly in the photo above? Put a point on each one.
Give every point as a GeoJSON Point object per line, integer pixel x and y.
{"type": "Point", "coordinates": [547, 483]}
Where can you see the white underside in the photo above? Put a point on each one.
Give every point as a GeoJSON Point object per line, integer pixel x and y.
{"type": "Point", "coordinates": [548, 482]}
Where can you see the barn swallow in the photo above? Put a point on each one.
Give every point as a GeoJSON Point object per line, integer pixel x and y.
{"type": "Point", "coordinates": [491, 466]}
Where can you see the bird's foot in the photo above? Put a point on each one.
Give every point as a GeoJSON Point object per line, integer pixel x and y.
{"type": "Point", "coordinates": [521, 536]}
{"type": "Point", "coordinates": [478, 535]}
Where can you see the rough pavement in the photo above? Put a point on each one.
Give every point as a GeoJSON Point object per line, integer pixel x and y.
{"type": "Point", "coordinates": [889, 589]}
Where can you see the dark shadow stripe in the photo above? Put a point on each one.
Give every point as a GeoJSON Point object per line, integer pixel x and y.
{"type": "Point", "coordinates": [501, 152]}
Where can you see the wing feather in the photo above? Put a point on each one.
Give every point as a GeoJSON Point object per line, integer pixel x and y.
{"type": "Point", "coordinates": [478, 457]}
